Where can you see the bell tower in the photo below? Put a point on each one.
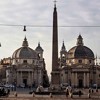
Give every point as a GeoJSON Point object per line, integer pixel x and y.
{"type": "Point", "coordinates": [55, 75]}
{"type": "Point", "coordinates": [63, 55]}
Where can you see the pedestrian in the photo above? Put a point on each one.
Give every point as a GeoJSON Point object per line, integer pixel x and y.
{"type": "Point", "coordinates": [89, 90]}
{"type": "Point", "coordinates": [8, 91]}
{"type": "Point", "coordinates": [67, 93]}
{"type": "Point", "coordinates": [79, 93]}
{"type": "Point", "coordinates": [96, 90]}
{"type": "Point", "coordinates": [92, 91]}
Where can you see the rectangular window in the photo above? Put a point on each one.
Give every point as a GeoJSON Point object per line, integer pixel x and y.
{"type": "Point", "coordinates": [80, 61]}
{"type": "Point", "coordinates": [89, 61]}
{"type": "Point", "coordinates": [99, 75]}
{"type": "Point", "coordinates": [25, 61]}
{"type": "Point", "coordinates": [33, 61]}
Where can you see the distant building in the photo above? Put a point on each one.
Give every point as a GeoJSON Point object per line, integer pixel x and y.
{"type": "Point", "coordinates": [26, 67]}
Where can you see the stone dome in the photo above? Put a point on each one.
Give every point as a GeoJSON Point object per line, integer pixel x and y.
{"type": "Point", "coordinates": [80, 51]}
{"type": "Point", "coordinates": [25, 51]}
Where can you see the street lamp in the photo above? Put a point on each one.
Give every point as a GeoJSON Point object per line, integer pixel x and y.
{"type": "Point", "coordinates": [24, 28]}
{"type": "Point", "coordinates": [0, 44]}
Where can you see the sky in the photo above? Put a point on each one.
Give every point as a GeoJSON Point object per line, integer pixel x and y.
{"type": "Point", "coordinates": [40, 13]}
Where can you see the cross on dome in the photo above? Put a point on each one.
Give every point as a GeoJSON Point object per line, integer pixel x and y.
{"type": "Point", "coordinates": [55, 2]}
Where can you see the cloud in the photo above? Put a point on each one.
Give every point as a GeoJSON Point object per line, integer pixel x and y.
{"type": "Point", "coordinates": [40, 12]}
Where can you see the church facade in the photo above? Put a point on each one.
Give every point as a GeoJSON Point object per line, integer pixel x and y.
{"type": "Point", "coordinates": [26, 67]}
{"type": "Point", "coordinates": [75, 67]}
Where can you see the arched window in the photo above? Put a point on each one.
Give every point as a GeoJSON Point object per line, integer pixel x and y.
{"type": "Point", "coordinates": [63, 55]}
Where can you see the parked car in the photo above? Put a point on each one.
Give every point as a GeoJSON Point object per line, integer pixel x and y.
{"type": "Point", "coordinates": [22, 85]}
{"type": "Point", "coordinates": [64, 85]}
{"type": "Point", "coordinates": [94, 86]}
{"type": "Point", "coordinates": [9, 86]}
{"type": "Point", "coordinates": [6, 85]}
{"type": "Point", "coordinates": [46, 90]}
{"type": "Point", "coordinates": [77, 92]}
{"type": "Point", "coordinates": [4, 91]}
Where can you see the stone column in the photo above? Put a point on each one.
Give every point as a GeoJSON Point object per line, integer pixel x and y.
{"type": "Point", "coordinates": [40, 77]}
{"type": "Point", "coordinates": [96, 79]}
{"type": "Point", "coordinates": [84, 80]}
{"type": "Point", "coordinates": [32, 77]}
{"type": "Point", "coordinates": [21, 78]}
{"type": "Point", "coordinates": [17, 78]}
{"type": "Point", "coordinates": [67, 77]}
{"type": "Point", "coordinates": [72, 79]}
{"type": "Point", "coordinates": [29, 80]}
{"type": "Point", "coordinates": [88, 79]}
{"type": "Point", "coordinates": [76, 82]}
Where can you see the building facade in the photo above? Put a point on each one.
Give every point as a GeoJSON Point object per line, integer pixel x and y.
{"type": "Point", "coordinates": [26, 67]}
{"type": "Point", "coordinates": [77, 66]}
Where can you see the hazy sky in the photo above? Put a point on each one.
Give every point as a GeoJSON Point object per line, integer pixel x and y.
{"type": "Point", "coordinates": [40, 12]}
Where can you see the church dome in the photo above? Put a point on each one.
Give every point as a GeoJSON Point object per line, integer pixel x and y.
{"type": "Point", "coordinates": [24, 51]}
{"type": "Point", "coordinates": [80, 51]}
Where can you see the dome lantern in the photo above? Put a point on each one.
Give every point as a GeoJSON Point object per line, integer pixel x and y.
{"type": "Point", "coordinates": [25, 42]}
{"type": "Point", "coordinates": [80, 40]}
{"type": "Point", "coordinates": [80, 51]}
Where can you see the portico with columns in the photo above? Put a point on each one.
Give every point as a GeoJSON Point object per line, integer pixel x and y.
{"type": "Point", "coordinates": [25, 76]}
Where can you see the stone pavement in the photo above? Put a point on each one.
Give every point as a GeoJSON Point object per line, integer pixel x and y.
{"type": "Point", "coordinates": [24, 95]}
{"type": "Point", "coordinates": [47, 97]}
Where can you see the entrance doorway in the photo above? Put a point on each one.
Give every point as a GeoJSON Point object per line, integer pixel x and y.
{"type": "Point", "coordinates": [80, 83]}
{"type": "Point", "coordinates": [25, 82]}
